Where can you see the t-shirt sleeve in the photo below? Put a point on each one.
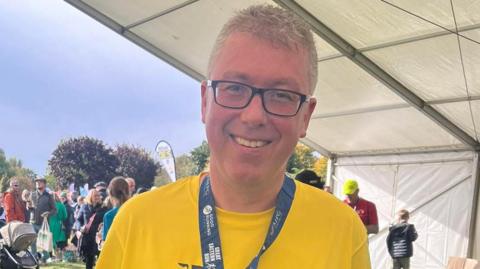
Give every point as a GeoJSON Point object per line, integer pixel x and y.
{"type": "Point", "coordinates": [360, 255]}
{"type": "Point", "coordinates": [112, 253]}
{"type": "Point", "coordinates": [372, 214]}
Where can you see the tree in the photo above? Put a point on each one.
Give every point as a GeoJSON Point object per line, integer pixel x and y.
{"type": "Point", "coordinates": [137, 163]}
{"type": "Point", "coordinates": [13, 167]}
{"type": "Point", "coordinates": [4, 166]}
{"type": "Point", "coordinates": [4, 184]}
{"type": "Point", "coordinates": [185, 166]}
{"type": "Point", "coordinates": [320, 167]}
{"type": "Point", "coordinates": [17, 169]}
{"type": "Point", "coordinates": [302, 158]}
{"type": "Point", "coordinates": [161, 178]}
{"type": "Point", "coordinates": [200, 157]}
{"type": "Point", "coordinates": [82, 160]}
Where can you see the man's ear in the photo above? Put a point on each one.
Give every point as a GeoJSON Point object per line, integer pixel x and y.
{"type": "Point", "coordinates": [307, 115]}
{"type": "Point", "coordinates": [204, 99]}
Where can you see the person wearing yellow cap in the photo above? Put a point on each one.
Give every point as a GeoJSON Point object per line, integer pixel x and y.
{"type": "Point", "coordinates": [365, 209]}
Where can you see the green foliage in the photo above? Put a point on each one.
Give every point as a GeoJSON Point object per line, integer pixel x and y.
{"type": "Point", "coordinates": [137, 163]}
{"type": "Point", "coordinates": [52, 182]}
{"type": "Point", "coordinates": [200, 156]}
{"type": "Point", "coordinates": [5, 170]}
{"type": "Point", "coordinates": [185, 166]}
{"type": "Point", "coordinates": [161, 178]}
{"type": "Point", "coordinates": [17, 169]}
{"type": "Point", "coordinates": [4, 184]}
{"type": "Point", "coordinates": [301, 158]}
{"type": "Point", "coordinates": [82, 160]}
{"type": "Point", "coordinates": [14, 168]}
{"type": "Point", "coordinates": [320, 167]}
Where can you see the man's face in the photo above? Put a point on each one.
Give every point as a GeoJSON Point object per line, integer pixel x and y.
{"type": "Point", "coordinates": [353, 196]}
{"type": "Point", "coordinates": [249, 143]}
{"type": "Point", "coordinates": [15, 185]}
{"type": "Point", "coordinates": [40, 185]}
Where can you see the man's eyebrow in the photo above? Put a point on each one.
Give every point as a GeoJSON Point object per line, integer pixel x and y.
{"type": "Point", "coordinates": [282, 83]}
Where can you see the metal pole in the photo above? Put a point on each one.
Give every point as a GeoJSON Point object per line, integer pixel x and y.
{"type": "Point", "coordinates": [473, 247]}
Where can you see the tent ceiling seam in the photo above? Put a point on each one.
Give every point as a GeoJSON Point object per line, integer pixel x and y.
{"type": "Point", "coordinates": [162, 13]}
{"type": "Point", "coordinates": [404, 41]}
{"type": "Point", "coordinates": [406, 162]}
{"type": "Point", "coordinates": [387, 152]}
{"type": "Point", "coordinates": [455, 32]}
{"type": "Point", "coordinates": [392, 107]}
{"type": "Point", "coordinates": [381, 75]}
{"type": "Point", "coordinates": [464, 73]}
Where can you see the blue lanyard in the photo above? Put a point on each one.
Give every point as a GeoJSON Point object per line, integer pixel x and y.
{"type": "Point", "coordinates": [209, 233]}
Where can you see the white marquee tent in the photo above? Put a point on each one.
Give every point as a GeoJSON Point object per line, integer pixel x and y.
{"type": "Point", "coordinates": [398, 100]}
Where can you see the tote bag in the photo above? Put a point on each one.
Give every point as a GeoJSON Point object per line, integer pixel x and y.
{"type": "Point", "coordinates": [45, 237]}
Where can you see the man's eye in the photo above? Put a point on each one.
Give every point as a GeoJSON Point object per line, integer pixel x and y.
{"type": "Point", "coordinates": [234, 89]}
{"type": "Point", "coordinates": [283, 96]}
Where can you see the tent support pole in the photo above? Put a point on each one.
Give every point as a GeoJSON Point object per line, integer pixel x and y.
{"type": "Point", "coordinates": [473, 246]}
{"type": "Point", "coordinates": [330, 171]}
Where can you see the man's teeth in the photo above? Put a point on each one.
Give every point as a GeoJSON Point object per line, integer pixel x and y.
{"type": "Point", "coordinates": [250, 143]}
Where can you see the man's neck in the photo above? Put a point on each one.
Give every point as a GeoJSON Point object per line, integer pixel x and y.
{"type": "Point", "coordinates": [245, 198]}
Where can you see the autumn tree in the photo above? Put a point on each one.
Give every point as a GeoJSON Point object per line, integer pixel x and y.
{"type": "Point", "coordinates": [302, 158]}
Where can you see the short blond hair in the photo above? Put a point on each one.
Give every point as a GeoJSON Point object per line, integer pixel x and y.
{"type": "Point", "coordinates": [277, 25]}
{"type": "Point", "coordinates": [403, 214]}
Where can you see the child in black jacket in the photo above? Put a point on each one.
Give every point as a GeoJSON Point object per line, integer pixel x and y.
{"type": "Point", "coordinates": [399, 240]}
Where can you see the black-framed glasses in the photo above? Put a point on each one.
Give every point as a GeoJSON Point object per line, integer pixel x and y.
{"type": "Point", "coordinates": [236, 95]}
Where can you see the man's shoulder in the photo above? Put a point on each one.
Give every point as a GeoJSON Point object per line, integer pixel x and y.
{"type": "Point", "coordinates": [367, 202]}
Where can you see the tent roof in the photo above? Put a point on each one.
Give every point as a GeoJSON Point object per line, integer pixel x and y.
{"type": "Point", "coordinates": [394, 76]}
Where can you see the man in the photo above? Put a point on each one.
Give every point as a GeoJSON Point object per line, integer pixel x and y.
{"type": "Point", "coordinates": [131, 185]}
{"type": "Point", "coordinates": [399, 240]}
{"type": "Point", "coordinates": [366, 210]}
{"type": "Point", "coordinates": [43, 206]}
{"type": "Point", "coordinates": [14, 206]}
{"type": "Point", "coordinates": [244, 212]}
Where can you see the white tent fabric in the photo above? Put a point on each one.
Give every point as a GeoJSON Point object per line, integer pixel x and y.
{"type": "Point", "coordinates": [436, 188]}
{"type": "Point", "coordinates": [396, 77]}
{"type": "Point", "coordinates": [399, 62]}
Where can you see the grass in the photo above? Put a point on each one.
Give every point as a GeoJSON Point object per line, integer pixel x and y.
{"type": "Point", "coordinates": [63, 265]}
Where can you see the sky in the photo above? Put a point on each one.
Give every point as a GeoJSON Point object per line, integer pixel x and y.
{"type": "Point", "coordinates": [64, 75]}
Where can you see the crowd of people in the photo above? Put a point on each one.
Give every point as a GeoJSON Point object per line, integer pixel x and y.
{"type": "Point", "coordinates": [77, 223]}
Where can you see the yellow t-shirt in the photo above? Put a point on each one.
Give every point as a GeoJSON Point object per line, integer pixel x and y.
{"type": "Point", "coordinates": [159, 229]}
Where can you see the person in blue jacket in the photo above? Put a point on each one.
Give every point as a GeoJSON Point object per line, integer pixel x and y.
{"type": "Point", "coordinates": [119, 193]}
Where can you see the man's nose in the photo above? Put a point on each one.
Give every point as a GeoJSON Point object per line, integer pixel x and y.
{"type": "Point", "coordinates": [254, 114]}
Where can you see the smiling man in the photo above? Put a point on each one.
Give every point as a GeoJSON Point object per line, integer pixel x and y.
{"type": "Point", "coordinates": [245, 213]}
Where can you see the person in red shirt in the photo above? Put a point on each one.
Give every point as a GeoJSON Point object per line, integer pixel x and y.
{"type": "Point", "coordinates": [14, 206]}
{"type": "Point", "coordinates": [365, 209]}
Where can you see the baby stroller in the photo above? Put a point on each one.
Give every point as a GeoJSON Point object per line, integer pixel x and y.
{"type": "Point", "coordinates": [16, 238]}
